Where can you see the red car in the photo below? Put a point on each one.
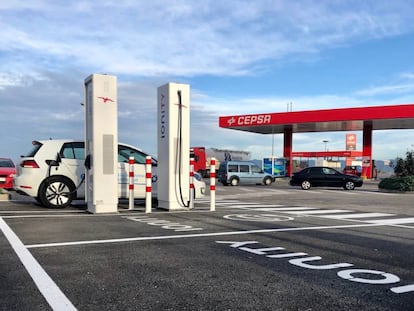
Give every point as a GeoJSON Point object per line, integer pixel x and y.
{"type": "Point", "coordinates": [7, 172]}
{"type": "Point", "coordinates": [353, 170]}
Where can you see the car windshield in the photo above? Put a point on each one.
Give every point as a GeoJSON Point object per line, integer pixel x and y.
{"type": "Point", "coordinates": [125, 152]}
{"type": "Point", "coordinates": [33, 151]}
{"type": "Point", "coordinates": [6, 163]}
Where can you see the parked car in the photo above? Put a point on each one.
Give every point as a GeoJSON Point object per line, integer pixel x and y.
{"type": "Point", "coordinates": [353, 170]}
{"type": "Point", "coordinates": [7, 173]}
{"type": "Point", "coordinates": [242, 172]}
{"type": "Point", "coordinates": [58, 184]}
{"type": "Point", "coordinates": [320, 176]}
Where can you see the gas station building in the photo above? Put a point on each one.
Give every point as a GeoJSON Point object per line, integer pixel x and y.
{"type": "Point", "coordinates": [365, 119]}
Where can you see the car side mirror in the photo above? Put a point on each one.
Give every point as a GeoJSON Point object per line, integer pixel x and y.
{"type": "Point", "coordinates": [87, 162]}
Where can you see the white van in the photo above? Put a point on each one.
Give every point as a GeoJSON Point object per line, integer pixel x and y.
{"type": "Point", "coordinates": [242, 172]}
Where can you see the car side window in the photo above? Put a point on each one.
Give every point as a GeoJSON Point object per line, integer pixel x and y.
{"type": "Point", "coordinates": [233, 168]}
{"type": "Point", "coordinates": [124, 153]}
{"type": "Point", "coordinates": [244, 168]}
{"type": "Point", "coordinates": [75, 150]}
{"type": "Point", "coordinates": [328, 171]}
{"type": "Point", "coordinates": [314, 170]}
{"type": "Point", "coordinates": [256, 169]}
{"type": "Point", "coordinates": [79, 150]}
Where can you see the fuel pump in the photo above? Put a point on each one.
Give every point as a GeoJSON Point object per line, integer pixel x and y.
{"type": "Point", "coordinates": [173, 189]}
{"type": "Point", "coordinates": [101, 143]}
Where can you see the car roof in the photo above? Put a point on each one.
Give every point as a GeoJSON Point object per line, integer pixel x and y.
{"type": "Point", "coordinates": [55, 141]}
{"type": "Point", "coordinates": [3, 158]}
{"type": "Point", "coordinates": [62, 141]}
{"type": "Point", "coordinates": [237, 161]}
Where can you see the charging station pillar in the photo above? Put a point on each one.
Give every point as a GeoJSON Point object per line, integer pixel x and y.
{"type": "Point", "coordinates": [173, 185]}
{"type": "Point", "coordinates": [101, 143]}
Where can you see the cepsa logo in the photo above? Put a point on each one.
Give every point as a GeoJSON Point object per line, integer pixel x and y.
{"type": "Point", "coordinates": [250, 120]}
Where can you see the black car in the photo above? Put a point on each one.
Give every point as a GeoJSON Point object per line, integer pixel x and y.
{"type": "Point", "coordinates": [320, 176]}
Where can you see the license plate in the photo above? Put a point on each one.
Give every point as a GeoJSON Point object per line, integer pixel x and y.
{"type": "Point", "coordinates": [2, 178]}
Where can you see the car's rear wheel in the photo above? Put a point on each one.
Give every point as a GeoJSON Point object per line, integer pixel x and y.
{"type": "Point", "coordinates": [349, 185]}
{"type": "Point", "coordinates": [234, 181]}
{"type": "Point", "coordinates": [56, 192]}
{"type": "Point", "coordinates": [306, 185]}
{"type": "Point", "coordinates": [267, 180]}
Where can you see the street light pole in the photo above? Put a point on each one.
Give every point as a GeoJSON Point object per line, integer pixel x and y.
{"type": "Point", "coordinates": [325, 141]}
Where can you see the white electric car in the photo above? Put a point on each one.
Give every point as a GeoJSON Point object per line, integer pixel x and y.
{"type": "Point", "coordinates": [53, 172]}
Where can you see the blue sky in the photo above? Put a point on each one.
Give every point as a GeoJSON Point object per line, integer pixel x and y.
{"type": "Point", "coordinates": [239, 57]}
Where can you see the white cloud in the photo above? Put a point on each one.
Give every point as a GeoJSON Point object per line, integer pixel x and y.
{"type": "Point", "coordinates": [403, 84]}
{"type": "Point", "coordinates": [153, 38]}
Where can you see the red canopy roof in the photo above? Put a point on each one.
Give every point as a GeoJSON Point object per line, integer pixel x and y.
{"type": "Point", "coordinates": [327, 120]}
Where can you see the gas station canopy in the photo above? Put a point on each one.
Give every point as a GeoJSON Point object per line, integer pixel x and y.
{"type": "Point", "coordinates": [365, 119]}
{"type": "Point", "coordinates": [342, 119]}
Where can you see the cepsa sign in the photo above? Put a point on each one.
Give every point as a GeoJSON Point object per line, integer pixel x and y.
{"type": "Point", "coordinates": [255, 119]}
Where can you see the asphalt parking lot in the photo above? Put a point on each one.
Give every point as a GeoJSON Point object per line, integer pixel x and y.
{"type": "Point", "coordinates": [264, 248]}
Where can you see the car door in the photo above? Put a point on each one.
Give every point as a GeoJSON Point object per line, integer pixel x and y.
{"type": "Point", "coordinates": [244, 174]}
{"type": "Point", "coordinates": [332, 177]}
{"type": "Point", "coordinates": [124, 152]}
{"type": "Point", "coordinates": [72, 158]}
{"type": "Point", "coordinates": [256, 174]}
{"type": "Point", "coordinates": [316, 176]}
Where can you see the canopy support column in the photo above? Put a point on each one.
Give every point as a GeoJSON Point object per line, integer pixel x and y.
{"type": "Point", "coordinates": [287, 149]}
{"type": "Point", "coordinates": [367, 150]}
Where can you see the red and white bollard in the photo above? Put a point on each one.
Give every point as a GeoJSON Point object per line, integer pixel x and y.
{"type": "Point", "coordinates": [191, 203]}
{"type": "Point", "coordinates": [212, 184]}
{"type": "Point", "coordinates": [148, 184]}
{"type": "Point", "coordinates": [131, 183]}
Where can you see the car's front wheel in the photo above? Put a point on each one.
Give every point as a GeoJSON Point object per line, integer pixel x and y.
{"type": "Point", "coordinates": [349, 185]}
{"type": "Point", "coordinates": [267, 181]}
{"type": "Point", "coordinates": [56, 192]}
{"type": "Point", "coordinates": [306, 185]}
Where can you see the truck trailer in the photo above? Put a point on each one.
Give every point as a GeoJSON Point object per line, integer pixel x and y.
{"type": "Point", "coordinates": [202, 157]}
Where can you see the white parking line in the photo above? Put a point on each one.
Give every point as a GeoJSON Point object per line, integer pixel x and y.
{"type": "Point", "coordinates": [251, 205]}
{"type": "Point", "coordinates": [357, 215]}
{"type": "Point", "coordinates": [395, 221]}
{"type": "Point", "coordinates": [41, 212]}
{"type": "Point", "coordinates": [318, 212]}
{"type": "Point", "coordinates": [278, 209]}
{"type": "Point", "coordinates": [199, 235]}
{"type": "Point", "coordinates": [52, 293]}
